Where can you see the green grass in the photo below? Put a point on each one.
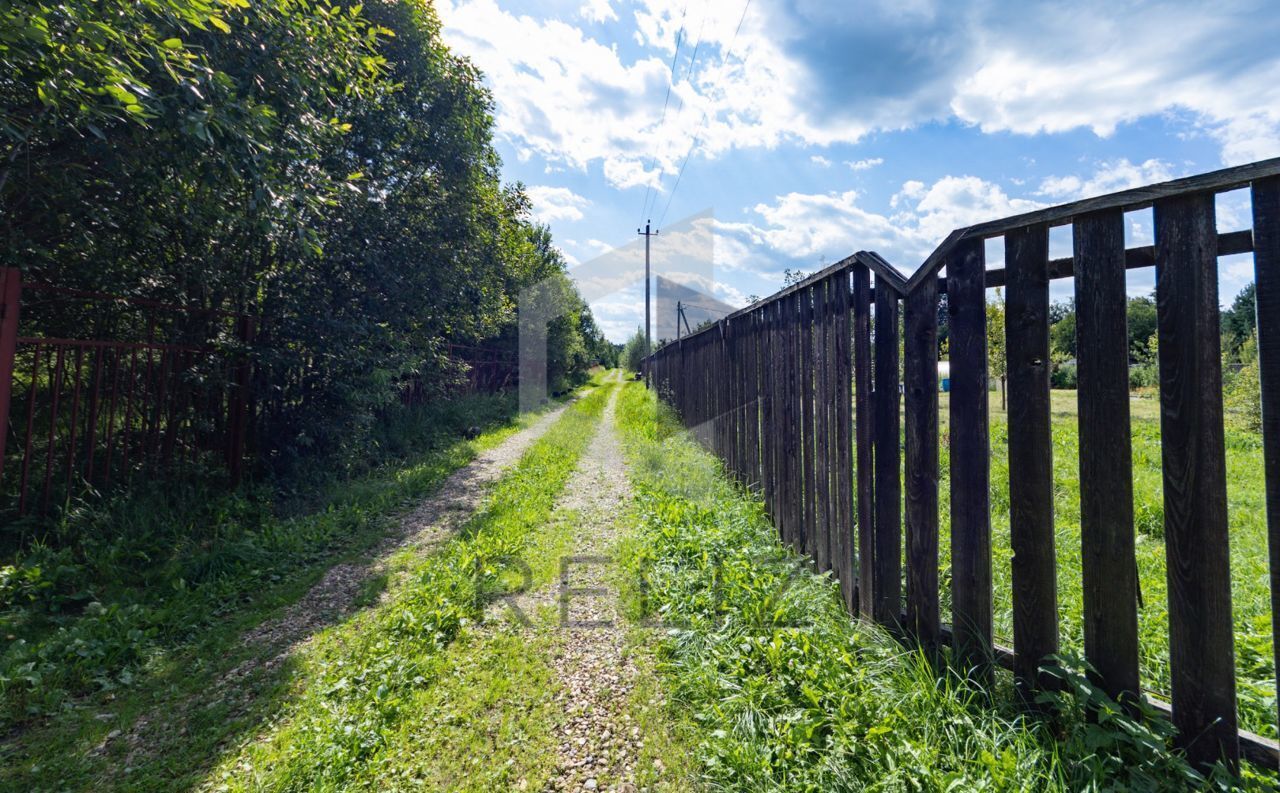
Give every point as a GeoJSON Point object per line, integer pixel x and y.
{"type": "Point", "coordinates": [788, 693]}
{"type": "Point", "coordinates": [146, 610]}
{"type": "Point", "coordinates": [359, 693]}
{"type": "Point", "coordinates": [1251, 608]}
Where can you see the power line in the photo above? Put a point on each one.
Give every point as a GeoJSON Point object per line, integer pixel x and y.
{"type": "Point", "coordinates": [721, 309]}
{"type": "Point", "coordinates": [693, 59]}
{"type": "Point", "coordinates": [688, 78]}
{"type": "Point", "coordinates": [701, 124]}
{"type": "Point", "coordinates": [644, 207]}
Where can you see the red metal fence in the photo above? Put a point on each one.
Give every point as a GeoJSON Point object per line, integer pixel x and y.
{"type": "Point", "coordinates": [483, 369]}
{"type": "Point", "coordinates": [142, 384]}
{"type": "Point", "coordinates": [488, 368]}
{"type": "Point", "coordinates": [770, 389]}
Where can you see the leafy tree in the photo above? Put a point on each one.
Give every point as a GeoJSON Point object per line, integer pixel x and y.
{"type": "Point", "coordinates": [1058, 310]}
{"type": "Point", "coordinates": [792, 277]}
{"type": "Point", "coordinates": [997, 359]}
{"type": "Point", "coordinates": [1140, 315]}
{"type": "Point", "coordinates": [1062, 336]}
{"type": "Point", "coordinates": [1242, 389]}
{"type": "Point", "coordinates": [1240, 322]}
{"type": "Point", "coordinates": [634, 351]}
{"type": "Point", "coordinates": [328, 168]}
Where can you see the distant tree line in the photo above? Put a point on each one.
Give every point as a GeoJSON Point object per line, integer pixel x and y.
{"type": "Point", "coordinates": [1239, 348]}
{"type": "Point", "coordinates": [329, 168]}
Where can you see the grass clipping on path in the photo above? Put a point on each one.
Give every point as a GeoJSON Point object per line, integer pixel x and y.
{"type": "Point", "coordinates": [357, 684]}
{"type": "Point", "coordinates": [789, 693]}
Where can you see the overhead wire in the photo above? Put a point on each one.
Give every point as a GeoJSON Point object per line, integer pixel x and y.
{"type": "Point", "coordinates": [644, 207]}
{"type": "Point", "coordinates": [693, 143]}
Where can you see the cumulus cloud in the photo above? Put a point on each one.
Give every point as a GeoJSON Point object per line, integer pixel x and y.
{"type": "Point", "coordinates": [798, 71]}
{"type": "Point", "coordinates": [1108, 177]}
{"type": "Point", "coordinates": [830, 226]}
{"type": "Point", "coordinates": [821, 161]}
{"type": "Point", "coordinates": [556, 203]}
{"type": "Point", "coordinates": [597, 11]}
{"type": "Point", "coordinates": [559, 93]}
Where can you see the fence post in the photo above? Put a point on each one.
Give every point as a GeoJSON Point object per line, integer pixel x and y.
{"type": "Point", "coordinates": [864, 439]}
{"type": "Point", "coordinates": [920, 372]}
{"type": "Point", "coordinates": [1109, 570]}
{"type": "Point", "coordinates": [10, 291]}
{"type": "Point", "coordinates": [1035, 594]}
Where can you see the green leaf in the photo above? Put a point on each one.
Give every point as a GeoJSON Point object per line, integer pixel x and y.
{"type": "Point", "coordinates": [172, 44]}
{"type": "Point", "coordinates": [218, 23]}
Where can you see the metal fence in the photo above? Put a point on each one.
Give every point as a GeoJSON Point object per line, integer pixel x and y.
{"type": "Point", "coordinates": [800, 394]}
{"type": "Point", "coordinates": [142, 385]}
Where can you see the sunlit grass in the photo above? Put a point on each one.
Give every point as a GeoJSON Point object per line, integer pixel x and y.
{"type": "Point", "coordinates": [361, 687]}
{"type": "Point", "coordinates": [1251, 607]}
{"type": "Point", "coordinates": [787, 692]}
{"type": "Point", "coordinates": [181, 639]}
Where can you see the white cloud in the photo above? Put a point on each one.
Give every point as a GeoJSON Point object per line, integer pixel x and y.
{"type": "Point", "coordinates": [911, 189]}
{"type": "Point", "coordinates": [597, 11]}
{"type": "Point", "coordinates": [864, 165]}
{"type": "Point", "coordinates": [821, 161]}
{"type": "Point", "coordinates": [1108, 177]}
{"type": "Point", "coordinates": [556, 203]}
{"type": "Point", "coordinates": [577, 101]}
{"type": "Point", "coordinates": [1098, 68]}
{"type": "Point", "coordinates": [831, 226]}
{"type": "Point", "coordinates": [560, 94]}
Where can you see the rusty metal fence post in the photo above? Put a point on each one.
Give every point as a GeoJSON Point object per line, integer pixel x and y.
{"type": "Point", "coordinates": [10, 291]}
{"type": "Point", "coordinates": [239, 407]}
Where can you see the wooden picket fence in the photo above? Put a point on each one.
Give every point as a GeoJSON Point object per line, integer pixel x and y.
{"type": "Point", "coordinates": [803, 403]}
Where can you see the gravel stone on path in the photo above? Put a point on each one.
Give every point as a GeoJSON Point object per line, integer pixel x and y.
{"type": "Point", "coordinates": [334, 596]}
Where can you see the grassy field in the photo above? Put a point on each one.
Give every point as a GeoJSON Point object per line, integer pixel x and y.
{"type": "Point", "coordinates": [1248, 531]}
{"type": "Point", "coordinates": [785, 692]}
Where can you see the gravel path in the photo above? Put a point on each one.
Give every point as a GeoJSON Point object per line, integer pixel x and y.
{"type": "Point", "coordinates": [431, 523]}
{"type": "Point", "coordinates": [335, 595]}
{"type": "Point", "coordinates": [597, 739]}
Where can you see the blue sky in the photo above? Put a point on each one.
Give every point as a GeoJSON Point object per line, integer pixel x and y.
{"type": "Point", "coordinates": [814, 129]}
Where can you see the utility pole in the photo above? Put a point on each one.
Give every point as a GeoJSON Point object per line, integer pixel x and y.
{"type": "Point", "coordinates": [648, 342]}
{"type": "Point", "coordinates": [679, 313]}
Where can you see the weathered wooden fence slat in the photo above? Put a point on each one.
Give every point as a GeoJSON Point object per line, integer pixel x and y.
{"type": "Point", "coordinates": [843, 477]}
{"type": "Point", "coordinates": [1266, 242]}
{"type": "Point", "coordinates": [865, 442]}
{"type": "Point", "coordinates": [1035, 594]}
{"type": "Point", "coordinates": [1108, 566]}
{"type": "Point", "coordinates": [1201, 641]}
{"type": "Point", "coordinates": [887, 593]}
{"type": "Point", "coordinates": [971, 604]}
{"type": "Point", "coordinates": [821, 491]}
{"type": "Point", "coordinates": [808, 427]}
{"type": "Point", "coordinates": [920, 323]}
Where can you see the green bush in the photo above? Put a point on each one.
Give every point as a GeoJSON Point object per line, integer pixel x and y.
{"type": "Point", "coordinates": [1064, 376]}
{"type": "Point", "coordinates": [1242, 389]}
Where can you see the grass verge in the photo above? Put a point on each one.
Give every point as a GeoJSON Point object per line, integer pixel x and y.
{"type": "Point", "coordinates": [788, 693]}
{"type": "Point", "coordinates": [147, 609]}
